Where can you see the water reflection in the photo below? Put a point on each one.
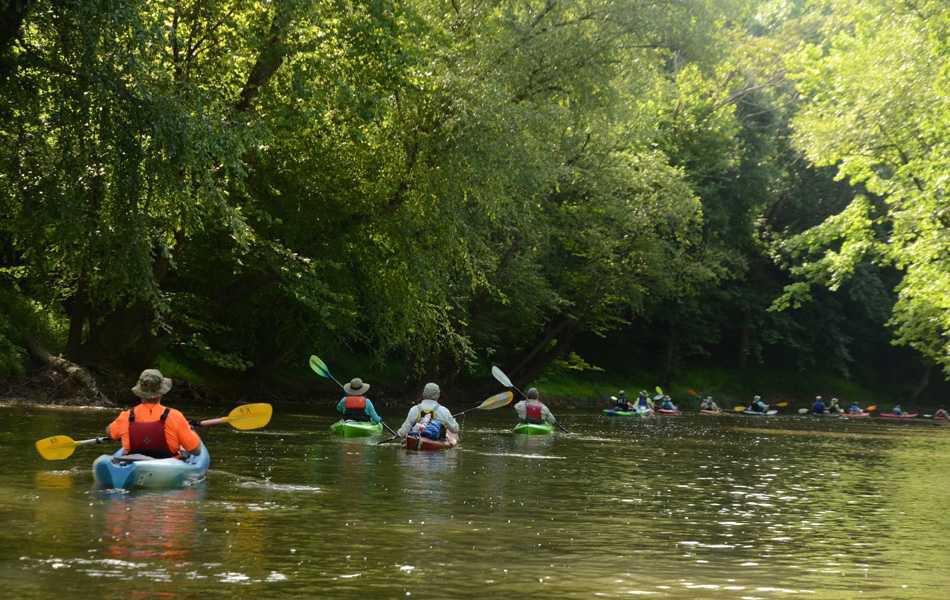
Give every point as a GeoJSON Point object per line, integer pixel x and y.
{"type": "Point", "coordinates": [151, 525]}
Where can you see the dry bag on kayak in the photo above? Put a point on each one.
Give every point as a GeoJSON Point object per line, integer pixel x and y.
{"type": "Point", "coordinates": [433, 431]}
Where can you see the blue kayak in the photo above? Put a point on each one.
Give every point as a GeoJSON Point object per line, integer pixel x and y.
{"type": "Point", "coordinates": [121, 471]}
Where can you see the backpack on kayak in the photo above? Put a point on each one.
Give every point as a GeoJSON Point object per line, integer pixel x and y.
{"type": "Point", "coordinates": [433, 430]}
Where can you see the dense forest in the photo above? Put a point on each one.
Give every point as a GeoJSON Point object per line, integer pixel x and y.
{"type": "Point", "coordinates": [417, 189]}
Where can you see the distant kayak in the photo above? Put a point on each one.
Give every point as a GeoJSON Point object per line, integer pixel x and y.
{"type": "Point", "coordinates": [348, 428]}
{"type": "Point", "coordinates": [898, 416]}
{"type": "Point", "coordinates": [121, 471]}
{"type": "Point", "coordinates": [703, 411]}
{"type": "Point", "coordinates": [534, 428]}
{"type": "Point", "coordinates": [625, 413]}
{"type": "Point", "coordinates": [669, 412]}
{"type": "Point", "coordinates": [859, 415]}
{"type": "Point", "coordinates": [755, 413]}
{"type": "Point", "coordinates": [415, 442]}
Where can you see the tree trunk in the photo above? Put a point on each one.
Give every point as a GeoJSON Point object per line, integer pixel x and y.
{"type": "Point", "coordinates": [269, 59]}
{"type": "Point", "coordinates": [745, 336]}
{"type": "Point", "coordinates": [922, 383]}
{"type": "Point", "coordinates": [561, 334]}
{"type": "Point", "coordinates": [669, 359]}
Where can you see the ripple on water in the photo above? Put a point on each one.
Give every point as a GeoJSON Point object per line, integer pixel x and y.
{"type": "Point", "coordinates": [517, 455]}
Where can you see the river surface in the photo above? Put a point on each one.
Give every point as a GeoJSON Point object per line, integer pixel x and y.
{"type": "Point", "coordinates": [690, 507]}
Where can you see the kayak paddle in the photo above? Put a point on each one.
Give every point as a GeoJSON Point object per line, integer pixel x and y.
{"type": "Point", "coordinates": [503, 379]}
{"type": "Point", "coordinates": [320, 368]}
{"type": "Point", "coordinates": [496, 401]}
{"type": "Point", "coordinates": [803, 411]}
{"type": "Point", "coordinates": [244, 417]}
{"type": "Point", "coordinates": [61, 447]}
{"type": "Point", "coordinates": [738, 408]}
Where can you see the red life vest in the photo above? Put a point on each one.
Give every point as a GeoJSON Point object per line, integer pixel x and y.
{"type": "Point", "coordinates": [532, 413]}
{"type": "Point", "coordinates": [149, 438]}
{"type": "Point", "coordinates": [354, 407]}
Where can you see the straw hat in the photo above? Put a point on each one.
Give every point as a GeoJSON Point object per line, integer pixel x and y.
{"type": "Point", "coordinates": [356, 387]}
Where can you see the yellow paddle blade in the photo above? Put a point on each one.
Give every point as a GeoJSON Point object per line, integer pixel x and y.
{"type": "Point", "coordinates": [250, 416]}
{"type": "Point", "coordinates": [57, 447]}
{"type": "Point", "coordinates": [871, 408]}
{"type": "Point", "coordinates": [738, 408]}
{"type": "Point", "coordinates": [497, 401]}
{"type": "Point", "coordinates": [782, 404]}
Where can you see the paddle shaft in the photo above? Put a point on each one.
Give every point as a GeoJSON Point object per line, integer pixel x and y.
{"type": "Point", "coordinates": [98, 440]}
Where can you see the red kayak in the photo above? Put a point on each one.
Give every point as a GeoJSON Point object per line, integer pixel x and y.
{"type": "Point", "coordinates": [898, 416]}
{"type": "Point", "coordinates": [415, 442]}
{"type": "Point", "coordinates": [668, 412]}
{"type": "Point", "coordinates": [859, 415]}
{"type": "Point", "coordinates": [709, 412]}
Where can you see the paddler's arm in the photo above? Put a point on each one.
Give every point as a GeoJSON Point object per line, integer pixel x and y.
{"type": "Point", "coordinates": [371, 411]}
{"type": "Point", "coordinates": [115, 429]}
{"type": "Point", "coordinates": [187, 438]}
{"type": "Point", "coordinates": [521, 410]}
{"type": "Point", "coordinates": [410, 420]}
{"type": "Point", "coordinates": [446, 417]}
{"type": "Point", "coordinates": [341, 406]}
{"type": "Point", "coordinates": [547, 415]}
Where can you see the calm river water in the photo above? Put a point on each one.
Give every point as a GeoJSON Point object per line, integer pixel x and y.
{"type": "Point", "coordinates": [690, 507]}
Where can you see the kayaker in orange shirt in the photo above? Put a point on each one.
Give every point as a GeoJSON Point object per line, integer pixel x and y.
{"type": "Point", "coordinates": [150, 428]}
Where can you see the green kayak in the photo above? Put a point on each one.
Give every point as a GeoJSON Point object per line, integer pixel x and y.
{"type": "Point", "coordinates": [534, 428]}
{"type": "Point", "coordinates": [348, 428]}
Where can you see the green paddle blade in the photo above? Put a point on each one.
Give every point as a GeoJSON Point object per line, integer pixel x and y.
{"type": "Point", "coordinates": [659, 390]}
{"type": "Point", "coordinates": [319, 367]}
{"type": "Point", "coordinates": [57, 447]}
{"type": "Point", "coordinates": [496, 401]}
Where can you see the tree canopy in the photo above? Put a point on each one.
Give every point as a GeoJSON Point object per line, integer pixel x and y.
{"type": "Point", "coordinates": [444, 184]}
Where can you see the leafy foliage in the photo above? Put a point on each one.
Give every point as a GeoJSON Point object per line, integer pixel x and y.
{"type": "Point", "coordinates": [439, 184]}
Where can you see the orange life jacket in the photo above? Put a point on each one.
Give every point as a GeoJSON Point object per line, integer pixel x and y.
{"type": "Point", "coordinates": [354, 407]}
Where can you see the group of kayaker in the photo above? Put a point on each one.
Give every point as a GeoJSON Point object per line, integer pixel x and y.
{"type": "Point", "coordinates": [153, 430]}
{"type": "Point", "coordinates": [428, 419]}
